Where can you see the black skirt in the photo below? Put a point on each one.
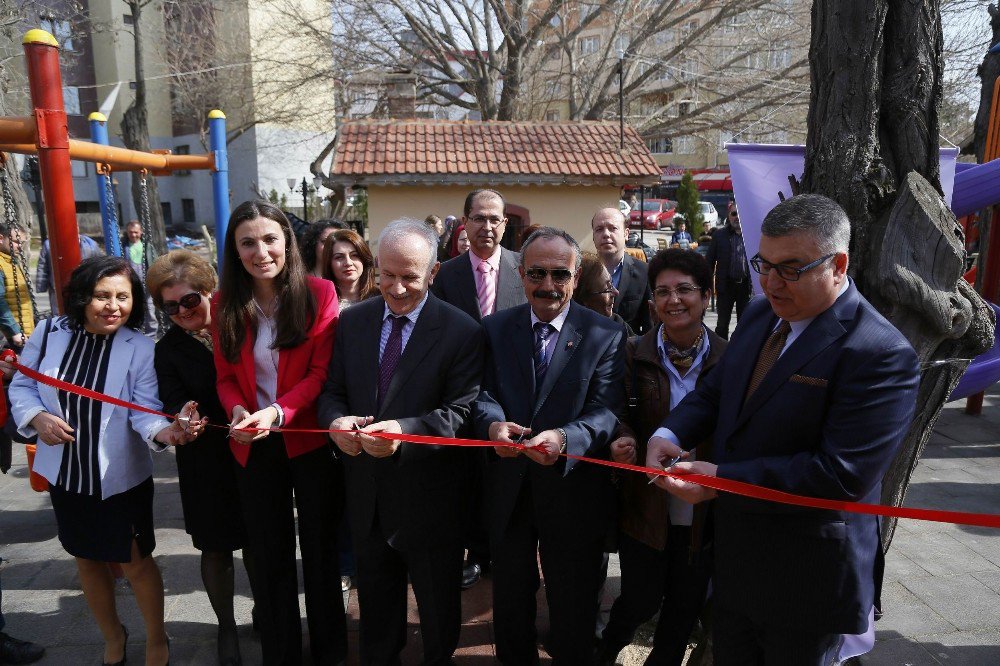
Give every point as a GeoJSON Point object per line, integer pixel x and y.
{"type": "Point", "coordinates": [207, 478]}
{"type": "Point", "coordinates": [103, 529]}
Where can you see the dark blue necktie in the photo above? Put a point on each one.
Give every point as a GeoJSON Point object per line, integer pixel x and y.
{"type": "Point", "coordinates": [542, 333]}
{"type": "Point", "coordinates": [390, 357]}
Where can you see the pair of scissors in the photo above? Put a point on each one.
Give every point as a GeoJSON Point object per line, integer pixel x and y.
{"type": "Point", "coordinates": [673, 461]}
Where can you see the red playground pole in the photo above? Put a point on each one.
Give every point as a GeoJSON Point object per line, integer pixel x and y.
{"type": "Point", "coordinates": [41, 53]}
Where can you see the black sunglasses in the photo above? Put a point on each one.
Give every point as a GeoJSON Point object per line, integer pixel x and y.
{"type": "Point", "coordinates": [189, 301]}
{"type": "Point", "coordinates": [559, 275]}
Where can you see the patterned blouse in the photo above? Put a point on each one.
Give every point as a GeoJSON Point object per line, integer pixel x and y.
{"type": "Point", "coordinates": [85, 363]}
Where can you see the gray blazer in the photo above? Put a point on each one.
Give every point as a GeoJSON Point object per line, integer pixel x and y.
{"type": "Point", "coordinates": [126, 436]}
{"type": "Point", "coordinates": [456, 284]}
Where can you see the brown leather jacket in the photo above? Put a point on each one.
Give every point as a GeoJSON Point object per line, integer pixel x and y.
{"type": "Point", "coordinates": [643, 508]}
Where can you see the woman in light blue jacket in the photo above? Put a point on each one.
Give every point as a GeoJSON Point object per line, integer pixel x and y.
{"type": "Point", "coordinates": [97, 458]}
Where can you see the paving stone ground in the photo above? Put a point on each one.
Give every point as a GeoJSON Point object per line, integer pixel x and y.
{"type": "Point", "coordinates": [941, 597]}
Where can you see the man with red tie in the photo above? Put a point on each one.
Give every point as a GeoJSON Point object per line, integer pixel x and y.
{"type": "Point", "coordinates": [404, 363]}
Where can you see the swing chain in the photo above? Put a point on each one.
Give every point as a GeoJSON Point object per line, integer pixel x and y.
{"type": "Point", "coordinates": [105, 170]}
{"type": "Point", "coordinates": [22, 260]}
{"type": "Point", "coordinates": [145, 222]}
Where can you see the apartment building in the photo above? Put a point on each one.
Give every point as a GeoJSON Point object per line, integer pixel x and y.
{"type": "Point", "coordinates": [243, 56]}
{"type": "Point", "coordinates": [695, 78]}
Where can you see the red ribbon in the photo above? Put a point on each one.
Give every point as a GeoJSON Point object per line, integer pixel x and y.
{"type": "Point", "coordinates": [724, 485]}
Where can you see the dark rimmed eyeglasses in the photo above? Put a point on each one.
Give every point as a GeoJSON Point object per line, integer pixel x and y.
{"type": "Point", "coordinates": [786, 273]}
{"type": "Point", "coordinates": [189, 301]}
{"type": "Point", "coordinates": [559, 275]}
{"type": "Point", "coordinates": [681, 290]}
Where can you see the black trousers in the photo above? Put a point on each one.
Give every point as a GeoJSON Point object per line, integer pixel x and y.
{"type": "Point", "coordinates": [572, 570]}
{"type": "Point", "coordinates": [267, 485]}
{"type": "Point", "coordinates": [739, 640]}
{"type": "Point", "coordinates": [434, 570]}
{"type": "Point", "coordinates": [664, 581]}
{"type": "Point", "coordinates": [729, 293]}
{"type": "Point", "coordinates": [476, 536]}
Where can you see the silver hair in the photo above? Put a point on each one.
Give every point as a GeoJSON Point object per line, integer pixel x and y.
{"type": "Point", "coordinates": [399, 229]}
{"type": "Point", "coordinates": [544, 233]}
{"type": "Point", "coordinates": [814, 214]}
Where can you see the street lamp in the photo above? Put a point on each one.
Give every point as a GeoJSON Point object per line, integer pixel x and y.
{"type": "Point", "coordinates": [305, 188]}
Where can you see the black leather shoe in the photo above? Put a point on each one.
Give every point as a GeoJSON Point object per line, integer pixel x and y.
{"type": "Point", "coordinates": [471, 574]}
{"type": "Point", "coordinates": [14, 651]}
{"type": "Point", "coordinates": [124, 651]}
{"type": "Point", "coordinates": [607, 654]}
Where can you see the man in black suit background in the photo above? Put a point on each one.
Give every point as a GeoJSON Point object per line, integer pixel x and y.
{"type": "Point", "coordinates": [554, 379]}
{"type": "Point", "coordinates": [480, 282]}
{"type": "Point", "coordinates": [483, 280]}
{"type": "Point", "coordinates": [728, 261]}
{"type": "Point", "coordinates": [628, 274]}
{"type": "Point", "coordinates": [404, 363]}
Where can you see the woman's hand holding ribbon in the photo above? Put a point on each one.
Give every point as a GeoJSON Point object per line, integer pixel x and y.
{"type": "Point", "coordinates": [186, 427]}
{"type": "Point", "coordinates": [246, 428]}
{"type": "Point", "coordinates": [51, 429]}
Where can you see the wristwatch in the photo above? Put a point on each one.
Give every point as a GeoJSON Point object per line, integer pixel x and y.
{"type": "Point", "coordinates": [562, 446]}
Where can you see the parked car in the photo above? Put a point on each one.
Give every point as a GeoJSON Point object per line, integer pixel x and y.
{"type": "Point", "coordinates": [708, 214]}
{"type": "Point", "coordinates": [655, 214]}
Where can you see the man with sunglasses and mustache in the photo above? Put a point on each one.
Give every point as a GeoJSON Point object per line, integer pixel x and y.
{"type": "Point", "coordinates": [554, 384]}
{"type": "Point", "coordinates": [813, 397]}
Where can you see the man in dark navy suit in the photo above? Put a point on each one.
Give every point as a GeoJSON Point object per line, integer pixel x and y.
{"type": "Point", "coordinates": [553, 379]}
{"type": "Point", "coordinates": [813, 396]}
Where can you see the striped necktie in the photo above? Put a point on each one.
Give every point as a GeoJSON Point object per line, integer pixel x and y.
{"type": "Point", "coordinates": [768, 356]}
{"type": "Point", "coordinates": [542, 357]}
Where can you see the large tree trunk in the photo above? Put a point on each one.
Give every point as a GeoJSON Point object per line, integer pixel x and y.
{"type": "Point", "coordinates": [872, 146]}
{"type": "Point", "coordinates": [135, 135]}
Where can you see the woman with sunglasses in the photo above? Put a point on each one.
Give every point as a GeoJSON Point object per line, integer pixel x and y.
{"type": "Point", "coordinates": [596, 291]}
{"type": "Point", "coordinates": [273, 328]}
{"type": "Point", "coordinates": [181, 284]}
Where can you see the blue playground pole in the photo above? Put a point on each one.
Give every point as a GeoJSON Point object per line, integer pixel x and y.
{"type": "Point", "coordinates": [99, 135]}
{"type": "Point", "coordinates": [220, 181]}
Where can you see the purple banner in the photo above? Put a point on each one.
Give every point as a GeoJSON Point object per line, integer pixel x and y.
{"type": "Point", "coordinates": [760, 171]}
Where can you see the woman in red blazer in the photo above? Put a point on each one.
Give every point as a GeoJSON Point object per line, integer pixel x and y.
{"type": "Point", "coordinates": [274, 330]}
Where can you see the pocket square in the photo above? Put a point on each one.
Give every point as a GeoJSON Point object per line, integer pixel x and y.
{"type": "Point", "coordinates": [811, 381]}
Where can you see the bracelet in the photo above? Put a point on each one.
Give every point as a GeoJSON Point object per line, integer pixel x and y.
{"type": "Point", "coordinates": [562, 433]}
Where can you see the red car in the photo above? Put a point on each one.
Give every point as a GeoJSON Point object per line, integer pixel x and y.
{"type": "Point", "coordinates": [656, 214]}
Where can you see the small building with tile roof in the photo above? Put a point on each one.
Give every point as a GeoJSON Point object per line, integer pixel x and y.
{"type": "Point", "coordinates": [550, 173]}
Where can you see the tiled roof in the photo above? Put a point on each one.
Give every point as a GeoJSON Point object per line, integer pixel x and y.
{"type": "Point", "coordinates": [372, 152]}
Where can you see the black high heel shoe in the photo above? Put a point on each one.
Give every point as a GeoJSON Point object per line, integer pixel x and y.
{"type": "Point", "coordinates": [228, 647]}
{"type": "Point", "coordinates": [124, 651]}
